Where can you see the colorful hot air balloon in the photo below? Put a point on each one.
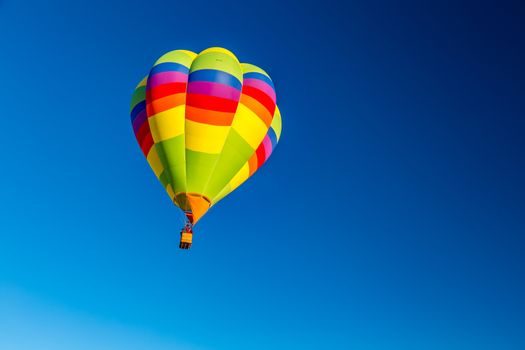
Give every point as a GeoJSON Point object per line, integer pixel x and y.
{"type": "Point", "coordinates": [205, 123]}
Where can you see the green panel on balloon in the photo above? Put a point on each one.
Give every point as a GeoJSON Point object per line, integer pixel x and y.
{"type": "Point", "coordinates": [199, 166]}
{"type": "Point", "coordinates": [234, 155]}
{"type": "Point", "coordinates": [139, 95]}
{"type": "Point", "coordinates": [173, 149]}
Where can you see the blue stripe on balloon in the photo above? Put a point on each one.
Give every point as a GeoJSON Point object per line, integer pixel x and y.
{"type": "Point", "coordinates": [255, 75]}
{"type": "Point", "coordinates": [140, 119]}
{"type": "Point", "coordinates": [137, 109]}
{"type": "Point", "coordinates": [169, 67]}
{"type": "Point", "coordinates": [215, 76]}
{"type": "Point", "coordinates": [273, 137]}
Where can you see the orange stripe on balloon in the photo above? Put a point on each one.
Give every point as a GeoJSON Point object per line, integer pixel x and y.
{"type": "Point", "coordinates": [165, 103]}
{"type": "Point", "coordinates": [209, 117]}
{"type": "Point", "coordinates": [252, 163]}
{"type": "Point", "coordinates": [258, 109]}
{"type": "Point", "coordinates": [260, 96]}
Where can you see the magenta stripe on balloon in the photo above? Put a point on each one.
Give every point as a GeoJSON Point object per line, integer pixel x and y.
{"type": "Point", "coordinates": [261, 85]}
{"type": "Point", "coordinates": [214, 89]}
{"type": "Point", "coordinates": [166, 78]}
{"type": "Point", "coordinates": [139, 119]}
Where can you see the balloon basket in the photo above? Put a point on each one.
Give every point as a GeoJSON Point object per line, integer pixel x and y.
{"type": "Point", "coordinates": [185, 240]}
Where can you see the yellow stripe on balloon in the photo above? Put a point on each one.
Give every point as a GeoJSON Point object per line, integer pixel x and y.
{"type": "Point", "coordinates": [225, 191]}
{"type": "Point", "coordinates": [142, 83]}
{"type": "Point", "coordinates": [249, 68]}
{"type": "Point", "coordinates": [220, 50]}
{"type": "Point", "coordinates": [154, 161]}
{"type": "Point", "coordinates": [183, 57]}
{"type": "Point", "coordinates": [240, 177]}
{"type": "Point", "coordinates": [167, 124]}
{"type": "Point", "coordinates": [205, 138]}
{"type": "Point", "coordinates": [277, 123]}
{"type": "Point", "coordinates": [249, 126]}
{"type": "Point", "coordinates": [170, 191]}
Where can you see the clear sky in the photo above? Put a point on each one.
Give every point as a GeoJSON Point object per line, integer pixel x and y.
{"type": "Point", "coordinates": [390, 216]}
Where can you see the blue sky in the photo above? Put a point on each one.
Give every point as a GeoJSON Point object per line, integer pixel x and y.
{"type": "Point", "coordinates": [391, 215]}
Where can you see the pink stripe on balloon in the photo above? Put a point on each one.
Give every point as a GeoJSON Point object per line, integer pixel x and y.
{"type": "Point", "coordinates": [214, 89]}
{"type": "Point", "coordinates": [261, 85]}
{"type": "Point", "coordinates": [267, 143]}
{"type": "Point", "coordinates": [166, 78]}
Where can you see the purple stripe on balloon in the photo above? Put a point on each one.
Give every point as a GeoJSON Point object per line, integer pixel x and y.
{"type": "Point", "coordinates": [214, 89]}
{"type": "Point", "coordinates": [261, 85]}
{"type": "Point", "coordinates": [267, 143]}
{"type": "Point", "coordinates": [166, 78]}
{"type": "Point", "coordinates": [141, 118]}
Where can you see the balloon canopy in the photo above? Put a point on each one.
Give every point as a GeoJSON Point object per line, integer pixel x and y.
{"type": "Point", "coordinates": [205, 123]}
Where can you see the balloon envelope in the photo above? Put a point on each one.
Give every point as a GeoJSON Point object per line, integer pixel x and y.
{"type": "Point", "coordinates": [205, 124]}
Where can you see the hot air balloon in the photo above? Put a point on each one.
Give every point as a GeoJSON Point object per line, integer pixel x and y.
{"type": "Point", "coordinates": [205, 123]}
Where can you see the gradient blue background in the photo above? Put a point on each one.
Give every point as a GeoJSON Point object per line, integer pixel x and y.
{"type": "Point", "coordinates": [391, 216]}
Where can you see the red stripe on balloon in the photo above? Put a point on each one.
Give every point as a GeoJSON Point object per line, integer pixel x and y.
{"type": "Point", "coordinates": [165, 90]}
{"type": "Point", "coordinates": [260, 96]}
{"type": "Point", "coordinates": [146, 144]}
{"type": "Point", "coordinates": [261, 155]}
{"type": "Point", "coordinates": [212, 103]}
{"type": "Point", "coordinates": [142, 132]}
